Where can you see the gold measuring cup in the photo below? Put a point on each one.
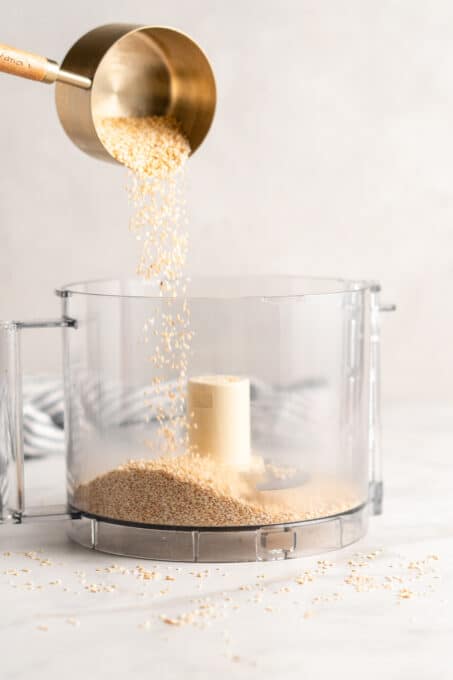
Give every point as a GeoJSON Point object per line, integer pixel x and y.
{"type": "Point", "coordinates": [124, 70]}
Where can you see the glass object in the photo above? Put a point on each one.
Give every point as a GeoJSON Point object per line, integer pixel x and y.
{"type": "Point", "coordinates": [239, 421]}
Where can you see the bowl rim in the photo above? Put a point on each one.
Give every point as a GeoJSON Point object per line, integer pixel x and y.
{"type": "Point", "coordinates": [334, 286]}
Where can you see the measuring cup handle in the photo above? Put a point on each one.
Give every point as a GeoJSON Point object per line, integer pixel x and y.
{"type": "Point", "coordinates": [27, 65]}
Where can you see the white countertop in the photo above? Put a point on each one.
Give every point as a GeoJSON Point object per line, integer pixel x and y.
{"type": "Point", "coordinates": [255, 620]}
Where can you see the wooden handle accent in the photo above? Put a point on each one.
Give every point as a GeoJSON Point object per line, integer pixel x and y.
{"type": "Point", "coordinates": [26, 65]}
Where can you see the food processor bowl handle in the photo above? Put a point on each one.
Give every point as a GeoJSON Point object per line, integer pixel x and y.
{"type": "Point", "coordinates": [376, 493]}
{"type": "Point", "coordinates": [23, 64]}
{"type": "Point", "coordinates": [12, 488]}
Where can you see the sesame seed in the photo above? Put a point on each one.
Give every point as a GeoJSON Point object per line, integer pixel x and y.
{"type": "Point", "coordinates": [73, 622]}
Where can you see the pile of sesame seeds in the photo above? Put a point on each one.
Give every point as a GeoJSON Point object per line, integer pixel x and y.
{"type": "Point", "coordinates": [191, 490]}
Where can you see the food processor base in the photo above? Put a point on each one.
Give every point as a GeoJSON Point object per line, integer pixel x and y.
{"type": "Point", "coordinates": [211, 544]}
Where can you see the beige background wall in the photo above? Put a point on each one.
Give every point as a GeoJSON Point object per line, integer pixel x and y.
{"type": "Point", "coordinates": [331, 153]}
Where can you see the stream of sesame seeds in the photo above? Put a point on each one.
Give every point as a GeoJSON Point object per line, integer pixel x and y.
{"type": "Point", "coordinates": [155, 152]}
